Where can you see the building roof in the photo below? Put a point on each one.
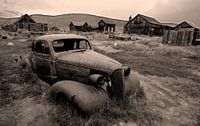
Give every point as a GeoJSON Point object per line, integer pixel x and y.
{"type": "Point", "coordinates": [53, 37]}
{"type": "Point", "coordinates": [107, 21]}
{"type": "Point", "coordinates": [23, 17]}
{"type": "Point", "coordinates": [78, 23]}
{"type": "Point", "coordinates": [14, 20]}
{"type": "Point", "coordinates": [190, 24]}
{"type": "Point", "coordinates": [149, 19]}
{"type": "Point", "coordinates": [169, 24]}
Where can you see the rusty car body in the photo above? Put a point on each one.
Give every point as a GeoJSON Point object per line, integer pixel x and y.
{"type": "Point", "coordinates": [88, 79]}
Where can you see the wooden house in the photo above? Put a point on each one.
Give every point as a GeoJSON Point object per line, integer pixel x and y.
{"type": "Point", "coordinates": [186, 24]}
{"type": "Point", "coordinates": [79, 26]}
{"type": "Point", "coordinates": [106, 26]}
{"type": "Point", "coordinates": [185, 33]}
{"type": "Point", "coordinates": [27, 23]}
{"type": "Point", "coordinates": [142, 24]}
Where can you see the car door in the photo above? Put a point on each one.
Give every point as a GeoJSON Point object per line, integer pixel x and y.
{"type": "Point", "coordinates": [67, 69]}
{"type": "Point", "coordinates": [43, 60]}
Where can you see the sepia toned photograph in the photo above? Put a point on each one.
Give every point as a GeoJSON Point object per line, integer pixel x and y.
{"type": "Point", "coordinates": [99, 63]}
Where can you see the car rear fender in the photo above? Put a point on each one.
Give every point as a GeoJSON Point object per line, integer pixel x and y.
{"type": "Point", "coordinates": [86, 97]}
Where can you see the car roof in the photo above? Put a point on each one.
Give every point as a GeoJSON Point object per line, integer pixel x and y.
{"type": "Point", "coordinates": [53, 37]}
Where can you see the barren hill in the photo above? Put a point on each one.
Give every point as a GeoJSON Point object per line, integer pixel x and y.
{"type": "Point", "coordinates": [63, 21]}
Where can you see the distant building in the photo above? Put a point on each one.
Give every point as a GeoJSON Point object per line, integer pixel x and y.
{"type": "Point", "coordinates": [186, 25]}
{"type": "Point", "coordinates": [185, 33]}
{"type": "Point", "coordinates": [102, 26]}
{"type": "Point", "coordinates": [142, 24]}
{"type": "Point", "coordinates": [106, 26]}
{"type": "Point", "coordinates": [79, 26]}
{"type": "Point", "coordinates": [25, 22]}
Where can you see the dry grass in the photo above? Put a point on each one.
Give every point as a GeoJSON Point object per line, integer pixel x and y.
{"type": "Point", "coordinates": [20, 85]}
{"type": "Point", "coordinates": [174, 73]}
{"type": "Point", "coordinates": [169, 75]}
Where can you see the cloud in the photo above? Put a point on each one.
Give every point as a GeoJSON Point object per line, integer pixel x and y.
{"type": "Point", "coordinates": [102, 7]}
{"type": "Point", "coordinates": [165, 10]}
{"type": "Point", "coordinates": [177, 11]}
{"type": "Point", "coordinates": [6, 9]}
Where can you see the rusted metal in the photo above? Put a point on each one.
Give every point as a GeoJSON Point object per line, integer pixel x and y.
{"type": "Point", "coordinates": [88, 98]}
{"type": "Point", "coordinates": [71, 71]}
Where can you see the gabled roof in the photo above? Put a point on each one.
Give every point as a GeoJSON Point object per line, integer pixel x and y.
{"type": "Point", "coordinates": [23, 17]}
{"type": "Point", "coordinates": [149, 19]}
{"type": "Point", "coordinates": [107, 22]}
{"type": "Point", "coordinates": [78, 23]}
{"type": "Point", "coordinates": [190, 24]}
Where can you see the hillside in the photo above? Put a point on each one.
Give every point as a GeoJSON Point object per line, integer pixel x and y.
{"type": "Point", "coordinates": [63, 21]}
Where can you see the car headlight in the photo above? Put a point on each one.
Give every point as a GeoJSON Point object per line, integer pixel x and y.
{"type": "Point", "coordinates": [96, 79]}
{"type": "Point", "coordinates": [127, 71]}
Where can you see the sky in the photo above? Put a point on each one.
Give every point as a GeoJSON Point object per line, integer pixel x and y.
{"type": "Point", "coordinates": [163, 10]}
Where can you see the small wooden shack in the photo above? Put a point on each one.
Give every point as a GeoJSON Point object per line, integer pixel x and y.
{"type": "Point", "coordinates": [106, 26]}
{"type": "Point", "coordinates": [79, 26]}
{"type": "Point", "coordinates": [27, 23]}
{"type": "Point", "coordinates": [185, 33]}
{"type": "Point", "coordinates": [142, 24]}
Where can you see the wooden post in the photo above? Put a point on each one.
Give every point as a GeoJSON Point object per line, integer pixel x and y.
{"type": "Point", "coordinates": [183, 37]}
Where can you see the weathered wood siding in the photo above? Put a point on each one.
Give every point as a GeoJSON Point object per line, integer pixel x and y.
{"type": "Point", "coordinates": [140, 26]}
{"type": "Point", "coordinates": [178, 37]}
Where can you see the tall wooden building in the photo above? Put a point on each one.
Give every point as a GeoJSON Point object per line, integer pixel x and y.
{"type": "Point", "coordinates": [142, 24]}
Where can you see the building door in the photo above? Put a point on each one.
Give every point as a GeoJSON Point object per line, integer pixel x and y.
{"type": "Point", "coordinates": [29, 27]}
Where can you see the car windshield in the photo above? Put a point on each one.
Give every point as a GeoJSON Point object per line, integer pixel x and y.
{"type": "Point", "coordinates": [71, 44]}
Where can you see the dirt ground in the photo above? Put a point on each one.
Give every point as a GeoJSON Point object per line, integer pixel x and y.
{"type": "Point", "coordinates": [169, 75]}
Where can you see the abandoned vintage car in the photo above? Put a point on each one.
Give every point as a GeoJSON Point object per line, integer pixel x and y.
{"type": "Point", "coordinates": [88, 79]}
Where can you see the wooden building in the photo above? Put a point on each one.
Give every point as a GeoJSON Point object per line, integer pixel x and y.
{"type": "Point", "coordinates": [142, 24]}
{"type": "Point", "coordinates": [79, 26]}
{"type": "Point", "coordinates": [101, 26]}
{"type": "Point", "coordinates": [27, 23]}
{"type": "Point", "coordinates": [106, 26]}
{"type": "Point", "coordinates": [187, 24]}
{"type": "Point", "coordinates": [185, 33]}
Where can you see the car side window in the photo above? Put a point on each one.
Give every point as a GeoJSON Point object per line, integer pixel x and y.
{"type": "Point", "coordinates": [83, 45]}
{"type": "Point", "coordinates": [42, 47]}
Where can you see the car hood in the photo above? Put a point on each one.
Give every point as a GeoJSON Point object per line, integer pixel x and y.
{"type": "Point", "coordinates": [91, 60]}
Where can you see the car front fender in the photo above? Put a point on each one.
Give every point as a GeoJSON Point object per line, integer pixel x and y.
{"type": "Point", "coordinates": [132, 84]}
{"type": "Point", "coordinates": [86, 97]}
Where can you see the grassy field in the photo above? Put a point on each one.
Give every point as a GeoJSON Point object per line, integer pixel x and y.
{"type": "Point", "coordinates": [169, 75]}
